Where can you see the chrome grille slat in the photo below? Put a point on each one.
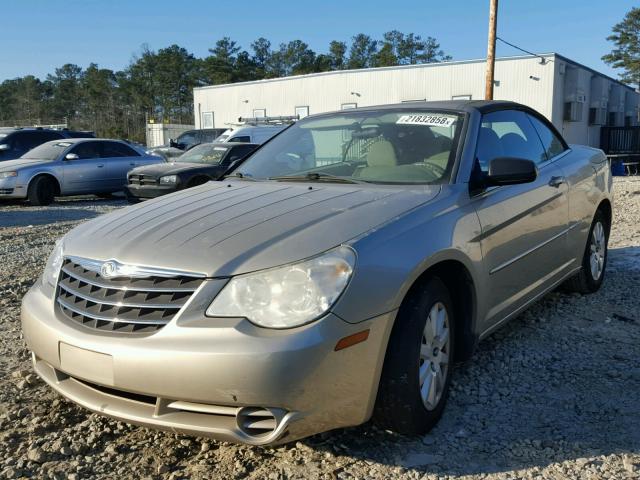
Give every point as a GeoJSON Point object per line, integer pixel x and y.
{"type": "Point", "coordinates": [97, 283]}
{"type": "Point", "coordinates": [122, 304]}
{"type": "Point", "coordinates": [119, 304]}
{"type": "Point", "coordinates": [109, 319]}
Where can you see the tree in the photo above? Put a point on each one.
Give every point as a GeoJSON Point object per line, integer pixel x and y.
{"type": "Point", "coordinates": [362, 52]}
{"type": "Point", "coordinates": [337, 55]}
{"type": "Point", "coordinates": [408, 49]}
{"type": "Point", "coordinates": [65, 83]}
{"type": "Point", "coordinates": [626, 53]}
{"type": "Point", "coordinates": [294, 58]}
{"type": "Point", "coordinates": [262, 57]}
{"type": "Point", "coordinates": [219, 66]}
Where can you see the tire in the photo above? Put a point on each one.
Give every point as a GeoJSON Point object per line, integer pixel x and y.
{"type": "Point", "coordinates": [588, 280]}
{"type": "Point", "coordinates": [41, 191]}
{"type": "Point", "coordinates": [401, 406]}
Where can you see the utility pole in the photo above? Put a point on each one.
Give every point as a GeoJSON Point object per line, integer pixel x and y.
{"type": "Point", "coordinates": [491, 49]}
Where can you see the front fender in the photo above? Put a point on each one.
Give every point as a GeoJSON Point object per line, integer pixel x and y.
{"type": "Point", "coordinates": [392, 258]}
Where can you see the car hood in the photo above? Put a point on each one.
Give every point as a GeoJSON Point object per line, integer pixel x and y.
{"type": "Point", "coordinates": [170, 168]}
{"type": "Point", "coordinates": [10, 165]}
{"type": "Point", "coordinates": [232, 227]}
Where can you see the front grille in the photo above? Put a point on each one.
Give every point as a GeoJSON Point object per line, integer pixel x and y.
{"type": "Point", "coordinates": [142, 180]}
{"type": "Point", "coordinates": [122, 304]}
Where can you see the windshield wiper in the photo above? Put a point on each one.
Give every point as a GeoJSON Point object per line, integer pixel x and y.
{"type": "Point", "coordinates": [316, 177]}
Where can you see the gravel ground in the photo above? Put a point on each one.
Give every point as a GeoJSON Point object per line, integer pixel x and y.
{"type": "Point", "coordinates": [553, 395]}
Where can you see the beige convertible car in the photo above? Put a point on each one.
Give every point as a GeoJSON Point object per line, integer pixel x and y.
{"type": "Point", "coordinates": [336, 275]}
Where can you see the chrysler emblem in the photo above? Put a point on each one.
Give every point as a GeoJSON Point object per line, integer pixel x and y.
{"type": "Point", "coordinates": [108, 270]}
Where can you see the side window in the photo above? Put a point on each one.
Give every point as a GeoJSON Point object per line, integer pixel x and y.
{"type": "Point", "coordinates": [238, 153]}
{"type": "Point", "coordinates": [508, 133]}
{"type": "Point", "coordinates": [115, 149]}
{"type": "Point", "coordinates": [240, 139]}
{"type": "Point", "coordinates": [38, 138]}
{"type": "Point", "coordinates": [24, 141]}
{"type": "Point", "coordinates": [552, 144]}
{"type": "Point", "coordinates": [87, 150]}
{"type": "Point", "coordinates": [187, 138]}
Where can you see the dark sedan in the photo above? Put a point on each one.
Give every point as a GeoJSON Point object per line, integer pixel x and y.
{"type": "Point", "coordinates": [197, 166]}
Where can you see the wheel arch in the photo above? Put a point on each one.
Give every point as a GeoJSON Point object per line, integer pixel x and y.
{"type": "Point", "coordinates": [50, 175]}
{"type": "Point", "coordinates": [605, 207]}
{"type": "Point", "coordinates": [459, 281]}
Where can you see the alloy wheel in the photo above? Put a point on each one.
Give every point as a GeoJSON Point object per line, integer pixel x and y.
{"type": "Point", "coordinates": [434, 356]}
{"type": "Point", "coordinates": [598, 250]}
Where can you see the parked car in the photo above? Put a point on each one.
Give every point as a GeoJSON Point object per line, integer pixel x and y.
{"type": "Point", "coordinates": [15, 142]}
{"type": "Point", "coordinates": [251, 133]}
{"type": "Point", "coordinates": [337, 273]}
{"type": "Point", "coordinates": [199, 165]}
{"type": "Point", "coordinates": [70, 167]}
{"type": "Point", "coordinates": [185, 141]}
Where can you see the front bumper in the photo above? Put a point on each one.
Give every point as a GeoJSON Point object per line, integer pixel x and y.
{"type": "Point", "coordinates": [204, 377]}
{"type": "Point", "coordinates": [148, 191]}
{"type": "Point", "coordinates": [11, 188]}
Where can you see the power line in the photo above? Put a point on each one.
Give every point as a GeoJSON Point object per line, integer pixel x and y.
{"type": "Point", "coordinates": [543, 60]}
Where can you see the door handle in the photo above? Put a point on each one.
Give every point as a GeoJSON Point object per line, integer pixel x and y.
{"type": "Point", "coordinates": [557, 181]}
{"type": "Point", "coordinates": [133, 164]}
{"type": "Point", "coordinates": [100, 165]}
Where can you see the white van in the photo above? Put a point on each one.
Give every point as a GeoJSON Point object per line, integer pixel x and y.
{"type": "Point", "coordinates": [251, 133]}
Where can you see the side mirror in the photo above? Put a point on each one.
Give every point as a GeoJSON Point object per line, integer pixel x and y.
{"type": "Point", "coordinates": [71, 156]}
{"type": "Point", "coordinates": [511, 171]}
{"type": "Point", "coordinates": [173, 143]}
{"type": "Point", "coordinates": [4, 147]}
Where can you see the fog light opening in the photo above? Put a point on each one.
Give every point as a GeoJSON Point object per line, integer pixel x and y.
{"type": "Point", "coordinates": [257, 421]}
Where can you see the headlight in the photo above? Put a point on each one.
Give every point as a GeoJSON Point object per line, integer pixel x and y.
{"type": "Point", "coordinates": [52, 270]}
{"type": "Point", "coordinates": [287, 296]}
{"type": "Point", "coordinates": [8, 174]}
{"type": "Point", "coordinates": [169, 179]}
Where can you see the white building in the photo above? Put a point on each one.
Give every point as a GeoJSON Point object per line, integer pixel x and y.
{"type": "Point", "coordinates": [577, 99]}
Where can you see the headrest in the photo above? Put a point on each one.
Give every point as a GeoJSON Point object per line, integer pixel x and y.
{"type": "Point", "coordinates": [382, 154]}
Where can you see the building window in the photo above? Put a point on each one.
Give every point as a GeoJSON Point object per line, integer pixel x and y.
{"type": "Point", "coordinates": [207, 119]}
{"type": "Point", "coordinates": [461, 97]}
{"type": "Point", "coordinates": [348, 106]}
{"type": "Point", "coordinates": [259, 112]}
{"type": "Point", "coordinates": [302, 112]}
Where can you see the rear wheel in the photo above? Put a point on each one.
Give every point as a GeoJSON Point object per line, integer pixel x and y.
{"type": "Point", "coordinates": [416, 374]}
{"type": "Point", "coordinates": [594, 259]}
{"type": "Point", "coordinates": [41, 191]}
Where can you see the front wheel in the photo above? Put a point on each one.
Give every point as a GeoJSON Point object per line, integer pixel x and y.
{"type": "Point", "coordinates": [41, 191]}
{"type": "Point", "coordinates": [594, 259]}
{"type": "Point", "coordinates": [416, 374]}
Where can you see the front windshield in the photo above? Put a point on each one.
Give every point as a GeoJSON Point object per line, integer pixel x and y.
{"type": "Point", "coordinates": [384, 146]}
{"type": "Point", "coordinates": [205, 153]}
{"type": "Point", "coordinates": [47, 151]}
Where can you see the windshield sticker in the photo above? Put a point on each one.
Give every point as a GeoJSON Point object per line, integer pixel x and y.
{"type": "Point", "coordinates": [426, 120]}
{"type": "Point", "coordinates": [219, 149]}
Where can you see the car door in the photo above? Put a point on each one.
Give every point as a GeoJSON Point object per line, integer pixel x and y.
{"type": "Point", "coordinates": [119, 159]}
{"type": "Point", "coordinates": [87, 173]}
{"type": "Point", "coordinates": [524, 226]}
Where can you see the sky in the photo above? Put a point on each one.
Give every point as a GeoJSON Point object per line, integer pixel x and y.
{"type": "Point", "coordinates": [36, 36]}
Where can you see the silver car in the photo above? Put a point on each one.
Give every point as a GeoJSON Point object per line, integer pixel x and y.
{"type": "Point", "coordinates": [337, 275]}
{"type": "Point", "coordinates": [71, 166]}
